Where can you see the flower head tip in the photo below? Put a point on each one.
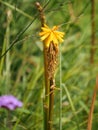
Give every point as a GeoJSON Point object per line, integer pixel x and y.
{"type": "Point", "coordinates": [51, 35]}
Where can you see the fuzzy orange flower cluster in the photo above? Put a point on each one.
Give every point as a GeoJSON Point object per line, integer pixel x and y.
{"type": "Point", "coordinates": [51, 35]}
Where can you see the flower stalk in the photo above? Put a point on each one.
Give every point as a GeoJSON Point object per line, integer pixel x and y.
{"type": "Point", "coordinates": [51, 38]}
{"type": "Point", "coordinates": [51, 103]}
{"type": "Point", "coordinates": [46, 99]}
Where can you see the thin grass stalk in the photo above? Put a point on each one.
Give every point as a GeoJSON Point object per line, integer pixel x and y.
{"type": "Point", "coordinates": [18, 36]}
{"type": "Point", "coordinates": [92, 31]}
{"type": "Point", "coordinates": [60, 116]}
{"type": "Point", "coordinates": [9, 19]}
{"type": "Point", "coordinates": [16, 9]}
{"type": "Point", "coordinates": [6, 45]}
{"type": "Point", "coordinates": [90, 118]}
{"type": "Point", "coordinates": [2, 60]}
{"type": "Point", "coordinates": [72, 106]}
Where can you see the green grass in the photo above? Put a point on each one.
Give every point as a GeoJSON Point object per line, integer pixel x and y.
{"type": "Point", "coordinates": [22, 68]}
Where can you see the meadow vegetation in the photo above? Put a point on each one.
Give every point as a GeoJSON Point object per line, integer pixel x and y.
{"type": "Point", "coordinates": [22, 66]}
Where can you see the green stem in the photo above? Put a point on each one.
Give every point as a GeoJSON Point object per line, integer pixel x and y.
{"type": "Point", "coordinates": [8, 54]}
{"type": "Point", "coordinates": [9, 123]}
{"type": "Point", "coordinates": [92, 31]}
{"type": "Point", "coordinates": [72, 106]}
{"type": "Point", "coordinates": [16, 9]}
{"type": "Point", "coordinates": [60, 116]}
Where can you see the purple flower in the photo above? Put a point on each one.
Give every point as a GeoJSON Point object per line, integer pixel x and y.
{"type": "Point", "coordinates": [9, 102]}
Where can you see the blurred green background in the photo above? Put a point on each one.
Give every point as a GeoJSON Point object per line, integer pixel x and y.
{"type": "Point", "coordinates": [22, 69]}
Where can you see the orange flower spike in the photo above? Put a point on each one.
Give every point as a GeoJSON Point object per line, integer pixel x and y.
{"type": "Point", "coordinates": [51, 35]}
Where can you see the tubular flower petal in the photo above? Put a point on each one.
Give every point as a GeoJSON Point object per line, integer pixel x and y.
{"type": "Point", "coordinates": [51, 35]}
{"type": "Point", "coordinates": [44, 36]}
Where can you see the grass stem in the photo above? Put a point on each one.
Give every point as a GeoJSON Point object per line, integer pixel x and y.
{"type": "Point", "coordinates": [89, 126]}
{"type": "Point", "coordinates": [92, 31]}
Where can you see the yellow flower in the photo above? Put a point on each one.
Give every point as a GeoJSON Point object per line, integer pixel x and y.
{"type": "Point", "coordinates": [51, 35]}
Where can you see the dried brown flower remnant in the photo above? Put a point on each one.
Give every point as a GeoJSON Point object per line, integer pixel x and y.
{"type": "Point", "coordinates": [52, 54]}
{"type": "Point", "coordinates": [51, 38]}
